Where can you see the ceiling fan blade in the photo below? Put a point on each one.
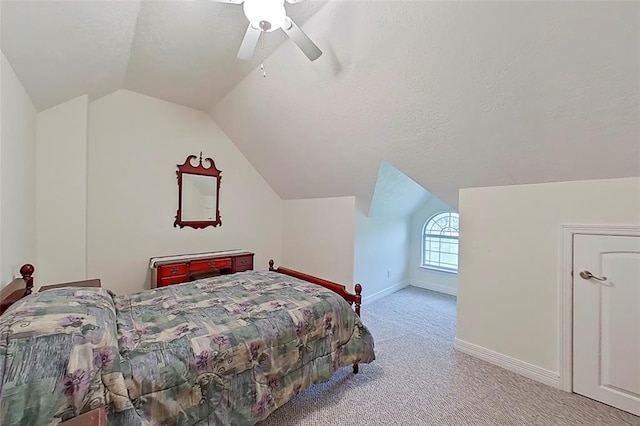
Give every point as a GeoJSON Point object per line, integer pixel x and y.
{"type": "Point", "coordinates": [249, 43]}
{"type": "Point", "coordinates": [301, 39]}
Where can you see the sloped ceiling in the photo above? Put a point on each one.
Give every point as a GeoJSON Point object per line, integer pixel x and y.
{"type": "Point", "coordinates": [180, 51]}
{"type": "Point", "coordinates": [453, 94]}
{"type": "Point", "coordinates": [61, 50]}
{"type": "Point", "coordinates": [396, 195]}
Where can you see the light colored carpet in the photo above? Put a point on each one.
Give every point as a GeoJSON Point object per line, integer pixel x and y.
{"type": "Point", "coordinates": [419, 379]}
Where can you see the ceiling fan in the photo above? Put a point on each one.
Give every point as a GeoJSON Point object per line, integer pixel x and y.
{"type": "Point", "coordinates": [266, 16]}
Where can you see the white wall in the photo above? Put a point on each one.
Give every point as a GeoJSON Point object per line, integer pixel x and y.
{"type": "Point", "coordinates": [509, 259]}
{"type": "Point", "coordinates": [17, 175]}
{"type": "Point", "coordinates": [443, 282]}
{"type": "Point", "coordinates": [318, 237]}
{"type": "Point", "coordinates": [381, 254]}
{"type": "Point", "coordinates": [135, 143]}
{"type": "Point", "coordinates": [61, 192]}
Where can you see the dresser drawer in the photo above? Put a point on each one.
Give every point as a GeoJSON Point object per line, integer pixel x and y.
{"type": "Point", "coordinates": [184, 268]}
{"type": "Point", "coordinates": [172, 270]}
{"type": "Point", "coordinates": [176, 279]}
{"type": "Point", "coordinates": [243, 263]}
{"type": "Point", "coordinates": [210, 265]}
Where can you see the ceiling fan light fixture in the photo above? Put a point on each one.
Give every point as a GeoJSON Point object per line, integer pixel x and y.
{"type": "Point", "coordinates": [265, 15]}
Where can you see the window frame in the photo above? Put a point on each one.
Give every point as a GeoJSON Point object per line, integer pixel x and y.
{"type": "Point", "coordinates": [425, 235]}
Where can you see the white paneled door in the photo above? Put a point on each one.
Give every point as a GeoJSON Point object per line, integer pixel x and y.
{"type": "Point", "coordinates": [606, 319]}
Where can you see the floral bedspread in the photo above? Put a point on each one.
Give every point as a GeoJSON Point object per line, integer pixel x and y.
{"type": "Point", "coordinates": [57, 350]}
{"type": "Point", "coordinates": [227, 350]}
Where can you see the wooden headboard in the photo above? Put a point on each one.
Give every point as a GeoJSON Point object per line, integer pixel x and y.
{"type": "Point", "coordinates": [18, 288]}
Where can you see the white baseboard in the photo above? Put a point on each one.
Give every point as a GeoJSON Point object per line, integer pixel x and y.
{"type": "Point", "coordinates": [382, 293]}
{"type": "Point", "coordinates": [539, 374]}
{"type": "Point", "coordinates": [453, 291]}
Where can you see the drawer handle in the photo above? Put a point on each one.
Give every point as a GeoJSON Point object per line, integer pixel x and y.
{"type": "Point", "coordinates": [173, 270]}
{"type": "Point", "coordinates": [212, 264]}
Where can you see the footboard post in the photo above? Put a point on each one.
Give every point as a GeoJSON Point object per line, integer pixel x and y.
{"type": "Point", "coordinates": [357, 302]}
{"type": "Point", "coordinates": [358, 298]}
{"type": "Point", "coordinates": [27, 271]}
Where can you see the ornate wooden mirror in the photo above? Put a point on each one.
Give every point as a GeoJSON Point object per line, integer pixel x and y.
{"type": "Point", "coordinates": [198, 194]}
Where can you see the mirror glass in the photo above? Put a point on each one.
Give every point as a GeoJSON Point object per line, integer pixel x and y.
{"type": "Point", "coordinates": [198, 197]}
{"type": "Point", "coordinates": [198, 193]}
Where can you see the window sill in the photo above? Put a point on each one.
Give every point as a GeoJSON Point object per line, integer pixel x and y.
{"type": "Point", "coordinates": [434, 269]}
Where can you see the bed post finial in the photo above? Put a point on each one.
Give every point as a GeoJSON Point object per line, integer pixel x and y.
{"type": "Point", "coordinates": [27, 271]}
{"type": "Point", "coordinates": [271, 265]}
{"type": "Point", "coordinates": [358, 298]}
{"type": "Point", "coordinates": [357, 302]}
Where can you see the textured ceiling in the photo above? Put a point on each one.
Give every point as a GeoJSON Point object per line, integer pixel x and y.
{"type": "Point", "coordinates": [453, 94]}
{"type": "Point", "coordinates": [61, 50]}
{"type": "Point", "coordinates": [179, 51]}
{"type": "Point", "coordinates": [396, 195]}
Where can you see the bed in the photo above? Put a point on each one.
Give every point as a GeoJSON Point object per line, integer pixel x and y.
{"type": "Point", "coordinates": [217, 351]}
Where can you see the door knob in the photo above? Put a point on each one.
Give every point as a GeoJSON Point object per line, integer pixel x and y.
{"type": "Point", "coordinates": [587, 275]}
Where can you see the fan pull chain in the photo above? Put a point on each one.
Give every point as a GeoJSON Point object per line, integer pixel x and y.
{"type": "Point", "coordinates": [264, 73]}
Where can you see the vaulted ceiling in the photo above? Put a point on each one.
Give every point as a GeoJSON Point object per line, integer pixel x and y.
{"type": "Point", "coordinates": [179, 51]}
{"type": "Point", "coordinates": [453, 94]}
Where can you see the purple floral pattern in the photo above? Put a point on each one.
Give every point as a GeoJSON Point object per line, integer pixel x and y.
{"type": "Point", "coordinates": [23, 313]}
{"type": "Point", "coordinates": [307, 314]}
{"type": "Point", "coordinates": [71, 321]}
{"type": "Point", "coordinates": [262, 405]}
{"type": "Point", "coordinates": [278, 304]}
{"type": "Point", "coordinates": [238, 311]}
{"type": "Point", "coordinates": [181, 305]}
{"type": "Point", "coordinates": [220, 340]}
{"type": "Point", "coordinates": [76, 382]}
{"type": "Point", "coordinates": [328, 323]}
{"type": "Point", "coordinates": [297, 388]}
{"type": "Point", "coordinates": [140, 331]}
{"type": "Point", "coordinates": [72, 336]}
{"type": "Point", "coordinates": [125, 341]}
{"type": "Point", "coordinates": [203, 360]}
{"type": "Point", "coordinates": [274, 381]}
{"type": "Point", "coordinates": [103, 358]}
{"type": "Point", "coordinates": [254, 349]}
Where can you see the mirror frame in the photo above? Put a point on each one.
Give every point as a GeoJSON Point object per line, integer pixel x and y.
{"type": "Point", "coordinates": [201, 170]}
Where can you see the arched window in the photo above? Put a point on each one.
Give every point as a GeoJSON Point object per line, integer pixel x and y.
{"type": "Point", "coordinates": [440, 242]}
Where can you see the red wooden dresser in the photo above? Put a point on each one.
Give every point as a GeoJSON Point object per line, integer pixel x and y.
{"type": "Point", "coordinates": [177, 269]}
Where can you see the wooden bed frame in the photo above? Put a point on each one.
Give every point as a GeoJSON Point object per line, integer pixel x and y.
{"type": "Point", "coordinates": [18, 288]}
{"type": "Point", "coordinates": [22, 287]}
{"type": "Point", "coordinates": [354, 300]}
